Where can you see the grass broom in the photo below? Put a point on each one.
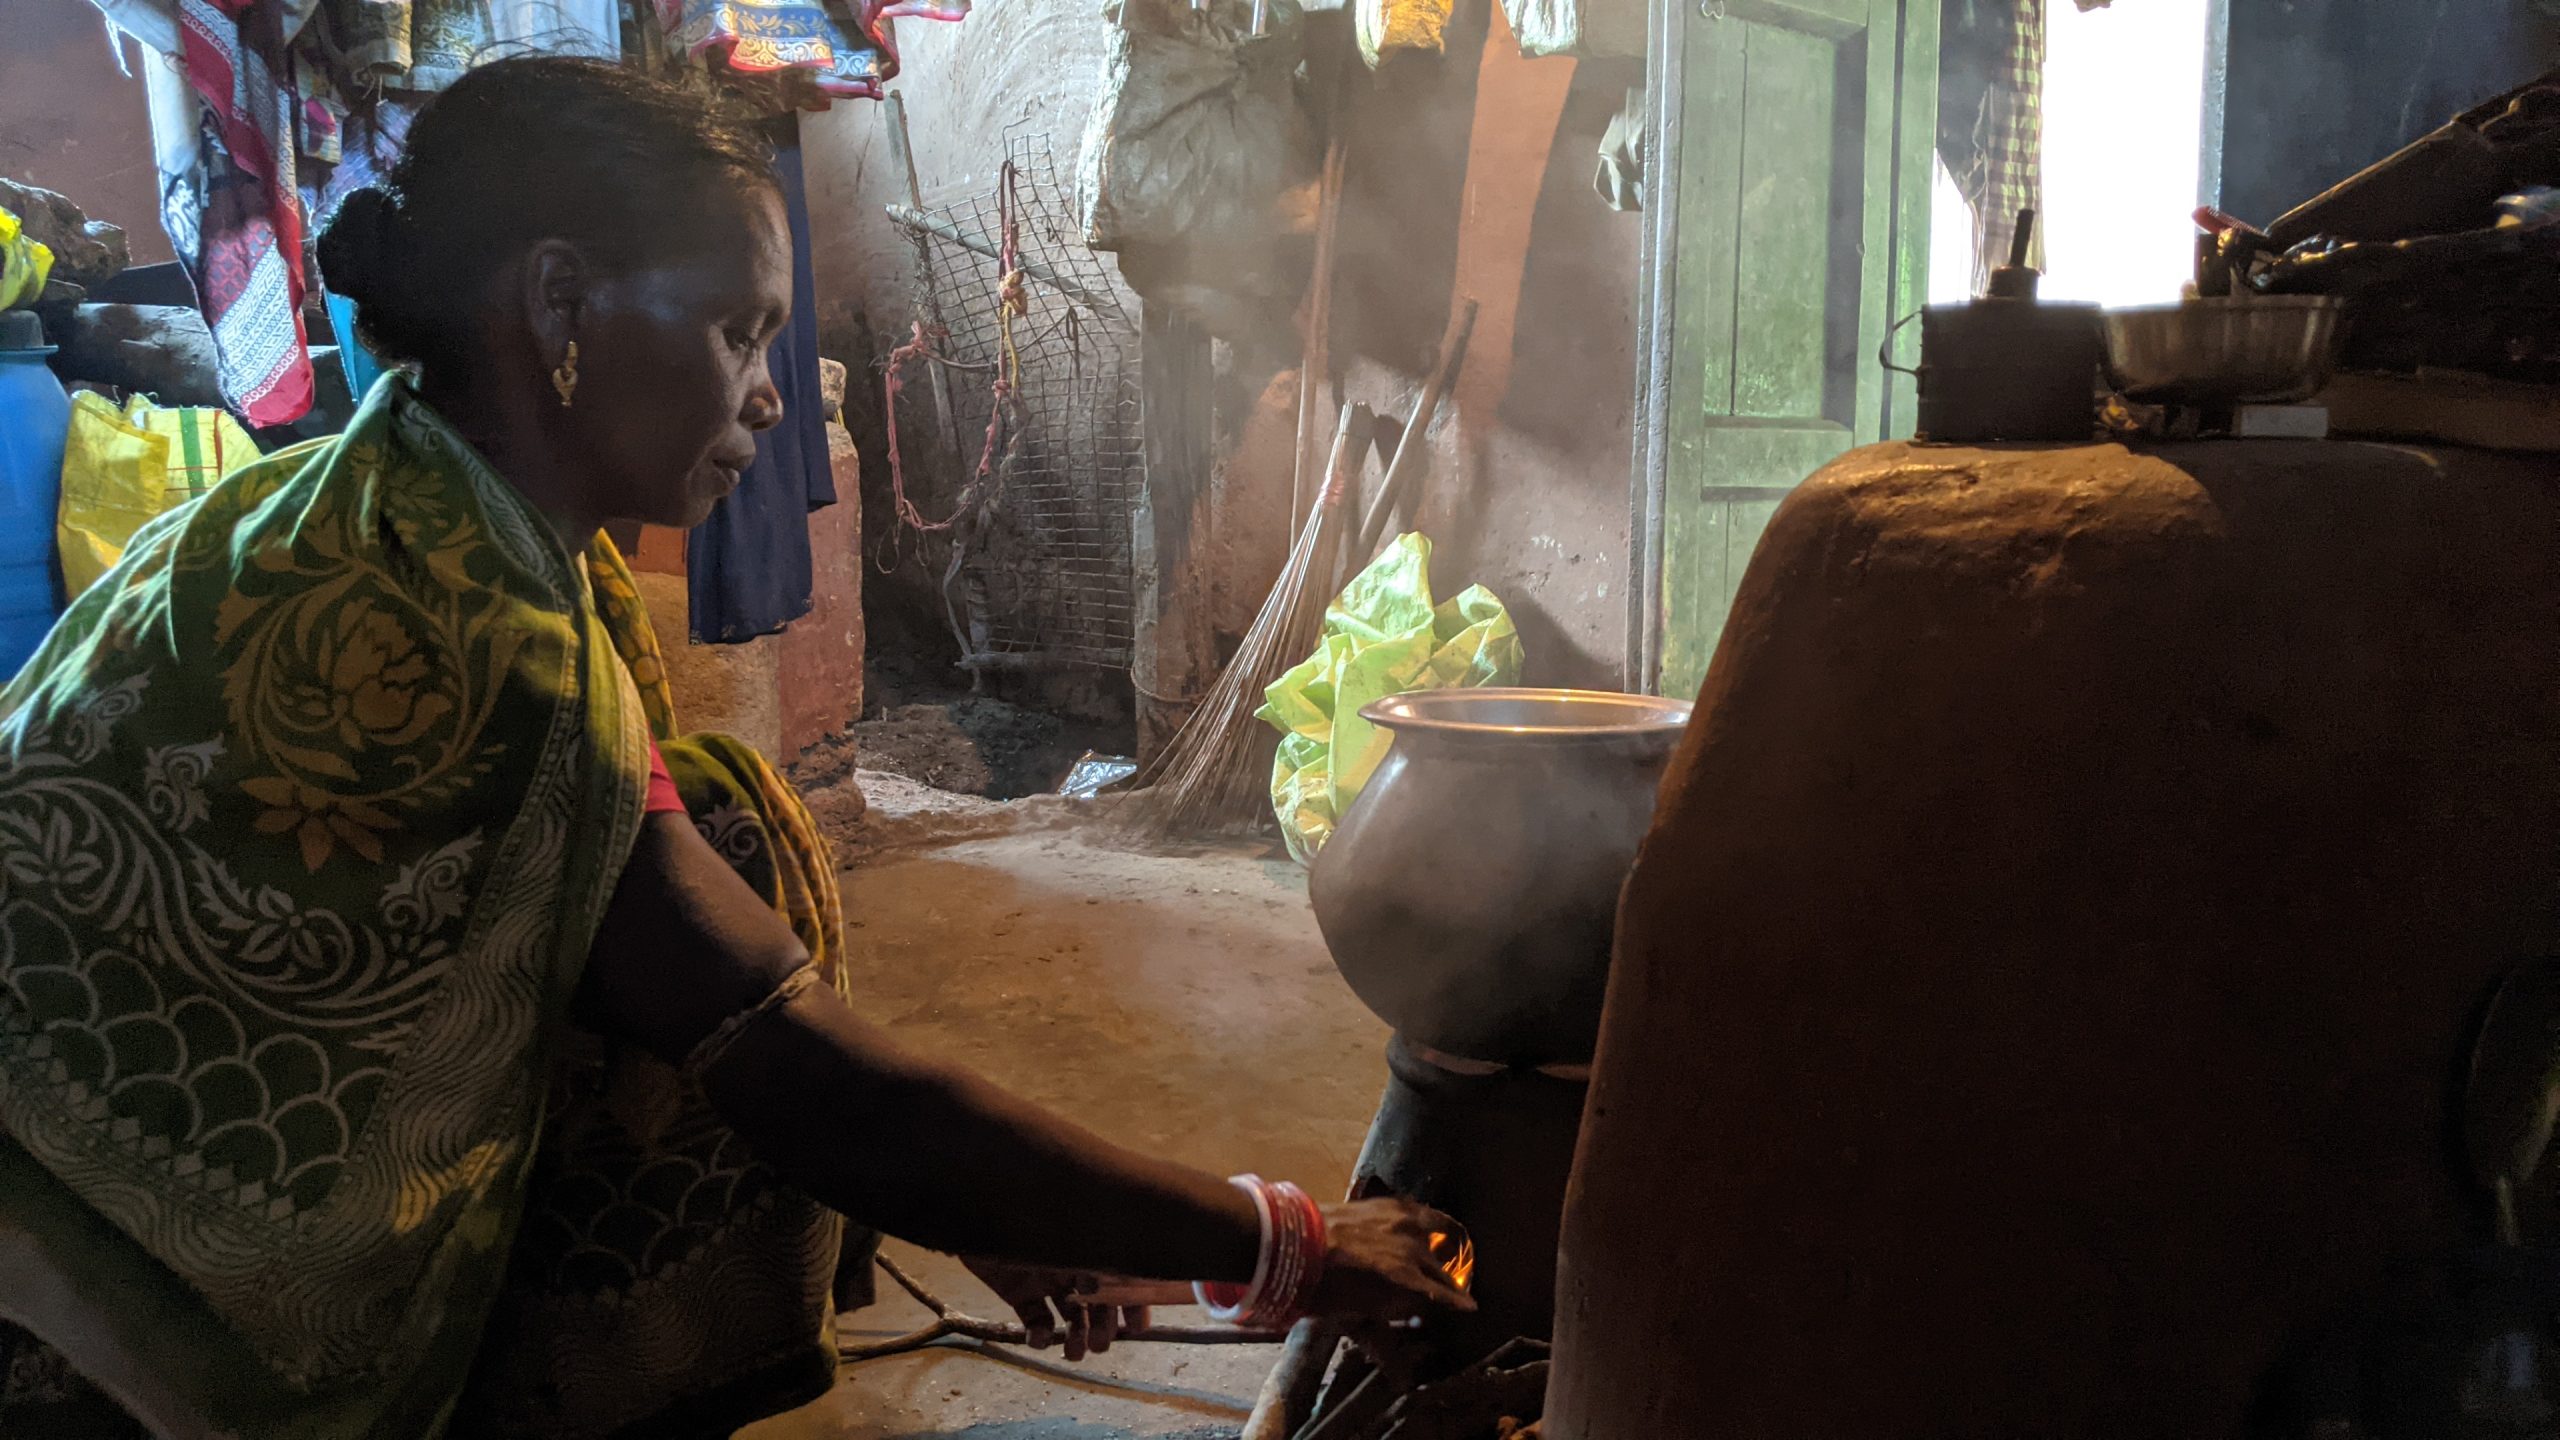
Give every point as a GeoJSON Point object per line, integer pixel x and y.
{"type": "Point", "coordinates": [1212, 779]}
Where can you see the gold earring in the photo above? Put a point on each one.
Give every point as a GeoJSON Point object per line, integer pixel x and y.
{"type": "Point", "coordinates": [565, 379]}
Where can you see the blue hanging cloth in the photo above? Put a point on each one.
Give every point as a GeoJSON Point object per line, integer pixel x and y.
{"type": "Point", "coordinates": [747, 566]}
{"type": "Point", "coordinates": [362, 369]}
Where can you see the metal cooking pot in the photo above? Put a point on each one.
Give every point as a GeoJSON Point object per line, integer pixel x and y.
{"type": "Point", "coordinates": [1471, 894]}
{"type": "Point", "coordinates": [2265, 349]}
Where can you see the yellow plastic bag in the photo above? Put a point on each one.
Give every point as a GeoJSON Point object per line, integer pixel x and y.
{"type": "Point", "coordinates": [24, 264]}
{"type": "Point", "coordinates": [120, 469]}
{"type": "Point", "coordinates": [1387, 26]}
{"type": "Point", "coordinates": [1382, 637]}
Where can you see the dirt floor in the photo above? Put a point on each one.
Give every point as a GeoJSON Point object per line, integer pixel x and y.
{"type": "Point", "coordinates": [1183, 1004]}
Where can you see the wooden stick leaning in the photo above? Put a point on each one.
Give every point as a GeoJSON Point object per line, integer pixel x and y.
{"type": "Point", "coordinates": [1315, 363]}
{"type": "Point", "coordinates": [1107, 307]}
{"type": "Point", "coordinates": [1404, 471]}
{"type": "Point", "coordinates": [1329, 63]}
{"type": "Point", "coordinates": [927, 310]}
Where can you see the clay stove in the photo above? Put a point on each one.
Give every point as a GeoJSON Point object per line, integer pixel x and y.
{"type": "Point", "coordinates": [2047, 991]}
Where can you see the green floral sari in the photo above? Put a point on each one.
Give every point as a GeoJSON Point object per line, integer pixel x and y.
{"type": "Point", "coordinates": [309, 812]}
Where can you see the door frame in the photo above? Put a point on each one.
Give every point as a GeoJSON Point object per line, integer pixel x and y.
{"type": "Point", "coordinates": [1666, 69]}
{"type": "Point", "coordinates": [1916, 123]}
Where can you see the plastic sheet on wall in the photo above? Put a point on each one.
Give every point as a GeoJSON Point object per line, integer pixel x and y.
{"type": "Point", "coordinates": [1192, 135]}
{"type": "Point", "coordinates": [1388, 27]}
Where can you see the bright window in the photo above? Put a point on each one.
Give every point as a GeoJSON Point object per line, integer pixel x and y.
{"type": "Point", "coordinates": [2123, 121]}
{"type": "Point", "coordinates": [2123, 126]}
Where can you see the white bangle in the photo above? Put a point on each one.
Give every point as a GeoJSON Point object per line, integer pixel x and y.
{"type": "Point", "coordinates": [1229, 1314]}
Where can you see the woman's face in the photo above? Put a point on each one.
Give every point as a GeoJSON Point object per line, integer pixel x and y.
{"type": "Point", "coordinates": [672, 385]}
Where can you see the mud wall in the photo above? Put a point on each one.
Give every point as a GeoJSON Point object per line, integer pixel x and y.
{"type": "Point", "coordinates": [2316, 92]}
{"type": "Point", "coordinates": [1475, 181]}
{"type": "Point", "coordinates": [780, 693]}
{"type": "Point", "coordinates": [71, 123]}
{"type": "Point", "coordinates": [1529, 478]}
{"type": "Point", "coordinates": [821, 654]}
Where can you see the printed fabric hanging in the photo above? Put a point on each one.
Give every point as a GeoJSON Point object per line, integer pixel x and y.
{"type": "Point", "coordinates": [1991, 119]}
{"type": "Point", "coordinates": [847, 50]}
{"type": "Point", "coordinates": [236, 215]}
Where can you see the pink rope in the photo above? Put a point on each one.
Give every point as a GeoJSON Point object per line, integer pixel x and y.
{"type": "Point", "coordinates": [1013, 300]}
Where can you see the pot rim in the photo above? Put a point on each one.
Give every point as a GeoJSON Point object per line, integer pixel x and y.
{"type": "Point", "coordinates": [1605, 715]}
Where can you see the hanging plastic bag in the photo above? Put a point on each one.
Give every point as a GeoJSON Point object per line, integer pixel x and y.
{"type": "Point", "coordinates": [121, 468]}
{"type": "Point", "coordinates": [1385, 27]}
{"type": "Point", "coordinates": [1584, 29]}
{"type": "Point", "coordinates": [1382, 637]}
{"type": "Point", "coordinates": [1192, 137]}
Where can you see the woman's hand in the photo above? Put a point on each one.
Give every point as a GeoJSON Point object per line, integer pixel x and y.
{"type": "Point", "coordinates": [1379, 1263]}
{"type": "Point", "coordinates": [1382, 1265]}
{"type": "Point", "coordinates": [1059, 1306]}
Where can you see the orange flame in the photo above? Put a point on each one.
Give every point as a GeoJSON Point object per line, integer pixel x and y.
{"type": "Point", "coordinates": [1457, 1256]}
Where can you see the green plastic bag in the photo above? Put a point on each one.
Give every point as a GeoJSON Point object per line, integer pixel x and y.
{"type": "Point", "coordinates": [24, 264]}
{"type": "Point", "coordinates": [1382, 637]}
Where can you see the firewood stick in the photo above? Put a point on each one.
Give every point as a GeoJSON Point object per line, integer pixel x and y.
{"type": "Point", "coordinates": [1001, 1332]}
{"type": "Point", "coordinates": [1150, 1293]}
{"type": "Point", "coordinates": [1288, 1394]}
{"type": "Point", "coordinates": [949, 1322]}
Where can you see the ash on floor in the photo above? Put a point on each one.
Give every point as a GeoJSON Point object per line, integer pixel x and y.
{"type": "Point", "coordinates": [978, 745]}
{"type": "Point", "coordinates": [927, 724]}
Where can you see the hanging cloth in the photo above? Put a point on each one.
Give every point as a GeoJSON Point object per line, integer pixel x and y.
{"type": "Point", "coordinates": [2007, 170]}
{"type": "Point", "coordinates": [152, 23]}
{"type": "Point", "coordinates": [233, 216]}
{"type": "Point", "coordinates": [838, 48]}
{"type": "Point", "coordinates": [449, 37]}
{"type": "Point", "coordinates": [747, 567]}
{"type": "Point", "coordinates": [369, 39]}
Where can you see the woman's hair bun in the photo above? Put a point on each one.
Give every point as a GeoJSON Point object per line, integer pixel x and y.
{"type": "Point", "coordinates": [356, 244]}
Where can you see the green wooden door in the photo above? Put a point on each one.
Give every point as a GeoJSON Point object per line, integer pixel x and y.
{"type": "Point", "coordinates": [1799, 234]}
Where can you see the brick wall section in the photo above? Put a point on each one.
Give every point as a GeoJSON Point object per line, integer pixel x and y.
{"type": "Point", "coordinates": [822, 651]}
{"type": "Point", "coordinates": [782, 693]}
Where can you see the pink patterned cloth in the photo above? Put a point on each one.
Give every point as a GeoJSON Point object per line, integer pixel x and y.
{"type": "Point", "coordinates": [248, 253]}
{"type": "Point", "coordinates": [845, 49]}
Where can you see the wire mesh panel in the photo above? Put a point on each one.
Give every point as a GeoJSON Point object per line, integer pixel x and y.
{"type": "Point", "coordinates": [1045, 565]}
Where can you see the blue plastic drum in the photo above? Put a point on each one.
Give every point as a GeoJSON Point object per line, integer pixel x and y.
{"type": "Point", "coordinates": [35, 418]}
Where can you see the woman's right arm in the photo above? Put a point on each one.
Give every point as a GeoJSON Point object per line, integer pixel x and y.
{"type": "Point", "coordinates": [694, 966]}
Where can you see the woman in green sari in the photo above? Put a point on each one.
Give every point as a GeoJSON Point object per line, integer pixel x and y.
{"type": "Point", "coordinates": [402, 1030]}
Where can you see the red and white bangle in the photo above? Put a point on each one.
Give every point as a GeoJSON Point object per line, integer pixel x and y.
{"type": "Point", "coordinates": [1289, 1267]}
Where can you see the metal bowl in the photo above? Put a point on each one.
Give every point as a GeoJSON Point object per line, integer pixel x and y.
{"type": "Point", "coordinates": [2271, 349]}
